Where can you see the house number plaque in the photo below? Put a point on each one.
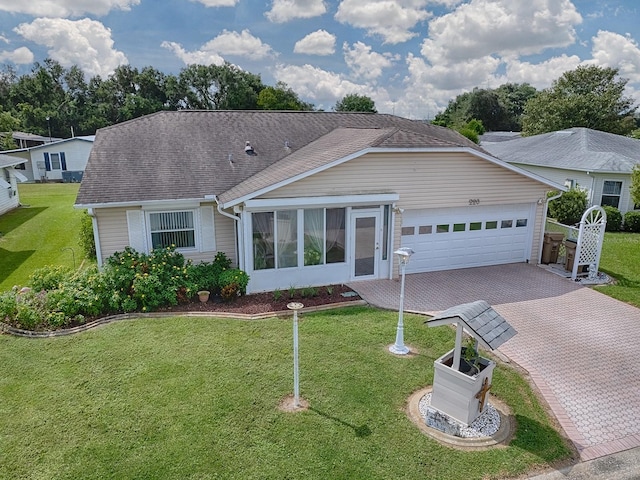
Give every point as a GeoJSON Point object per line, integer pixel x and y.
{"type": "Point", "coordinates": [474, 201]}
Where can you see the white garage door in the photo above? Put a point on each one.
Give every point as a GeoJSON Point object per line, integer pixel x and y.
{"type": "Point", "coordinates": [450, 238]}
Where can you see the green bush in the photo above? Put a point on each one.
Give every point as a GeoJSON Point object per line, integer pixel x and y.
{"type": "Point", "coordinates": [234, 276]}
{"type": "Point", "coordinates": [49, 278]}
{"type": "Point", "coordinates": [614, 219]}
{"type": "Point", "coordinates": [632, 221]}
{"type": "Point", "coordinates": [87, 240]}
{"type": "Point", "coordinates": [569, 208]}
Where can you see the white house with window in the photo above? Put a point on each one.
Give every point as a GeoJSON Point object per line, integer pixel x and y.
{"type": "Point", "coordinates": [320, 198]}
{"type": "Point", "coordinates": [598, 162]}
{"type": "Point", "coordinates": [58, 161]}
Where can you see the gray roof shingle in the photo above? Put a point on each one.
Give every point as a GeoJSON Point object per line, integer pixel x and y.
{"type": "Point", "coordinates": [480, 319]}
{"type": "Point", "coordinates": [189, 154]}
{"type": "Point", "coordinates": [576, 148]}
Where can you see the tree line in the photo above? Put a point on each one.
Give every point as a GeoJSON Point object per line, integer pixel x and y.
{"type": "Point", "coordinates": [589, 96]}
{"type": "Point", "coordinates": [56, 101]}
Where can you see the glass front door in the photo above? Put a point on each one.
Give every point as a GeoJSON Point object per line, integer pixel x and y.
{"type": "Point", "coordinates": [365, 246]}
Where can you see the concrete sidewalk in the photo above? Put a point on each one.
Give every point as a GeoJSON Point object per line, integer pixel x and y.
{"type": "Point", "coordinates": [577, 344]}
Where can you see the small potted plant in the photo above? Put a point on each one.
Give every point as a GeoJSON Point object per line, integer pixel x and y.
{"type": "Point", "coordinates": [203, 295]}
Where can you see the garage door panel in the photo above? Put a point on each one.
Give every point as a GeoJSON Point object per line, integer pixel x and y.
{"type": "Point", "coordinates": [487, 236]}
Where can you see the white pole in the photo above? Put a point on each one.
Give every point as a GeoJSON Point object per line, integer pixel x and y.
{"type": "Point", "coordinates": [399, 348]}
{"type": "Point", "coordinates": [296, 373]}
{"type": "Point", "coordinates": [295, 306]}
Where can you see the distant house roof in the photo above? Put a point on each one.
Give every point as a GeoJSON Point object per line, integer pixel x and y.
{"type": "Point", "coordinates": [9, 161]}
{"type": "Point", "coordinates": [495, 137]}
{"type": "Point", "coordinates": [192, 154]}
{"type": "Point", "coordinates": [576, 148]}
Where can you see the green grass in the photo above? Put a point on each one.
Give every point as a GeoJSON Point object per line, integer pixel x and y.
{"type": "Point", "coordinates": [35, 235]}
{"type": "Point", "coordinates": [620, 258]}
{"type": "Point", "coordinates": [196, 398]}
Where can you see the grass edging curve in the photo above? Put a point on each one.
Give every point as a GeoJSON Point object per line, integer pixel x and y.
{"type": "Point", "coordinates": [19, 332]}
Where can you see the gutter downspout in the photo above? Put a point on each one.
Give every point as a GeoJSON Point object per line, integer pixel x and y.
{"type": "Point", "coordinates": [237, 233]}
{"type": "Point", "coordinates": [96, 237]}
{"type": "Point", "coordinates": [544, 219]}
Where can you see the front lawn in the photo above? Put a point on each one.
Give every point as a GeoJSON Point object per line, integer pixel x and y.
{"type": "Point", "coordinates": [621, 259]}
{"type": "Point", "coordinates": [41, 233]}
{"type": "Point", "coordinates": [197, 398]}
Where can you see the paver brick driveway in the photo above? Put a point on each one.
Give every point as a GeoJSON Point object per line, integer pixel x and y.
{"type": "Point", "coordinates": [580, 347]}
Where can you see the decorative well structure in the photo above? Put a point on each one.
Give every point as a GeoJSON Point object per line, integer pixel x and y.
{"type": "Point", "coordinates": [460, 390]}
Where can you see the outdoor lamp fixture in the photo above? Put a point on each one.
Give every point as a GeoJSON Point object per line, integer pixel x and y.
{"type": "Point", "coordinates": [295, 306]}
{"type": "Point", "coordinates": [399, 348]}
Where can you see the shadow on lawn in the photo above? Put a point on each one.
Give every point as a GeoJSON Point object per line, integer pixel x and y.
{"type": "Point", "coordinates": [14, 218]}
{"type": "Point", "coordinates": [360, 431]}
{"type": "Point", "coordinates": [535, 438]}
{"type": "Point", "coordinates": [12, 260]}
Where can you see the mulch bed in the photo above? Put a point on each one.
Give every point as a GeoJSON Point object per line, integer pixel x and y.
{"type": "Point", "coordinates": [257, 303]}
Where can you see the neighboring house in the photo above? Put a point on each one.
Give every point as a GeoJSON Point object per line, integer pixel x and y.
{"type": "Point", "coordinates": [598, 162]}
{"type": "Point", "coordinates": [25, 140]}
{"type": "Point", "coordinates": [309, 198]}
{"type": "Point", "coordinates": [9, 178]}
{"type": "Point", "coordinates": [61, 160]}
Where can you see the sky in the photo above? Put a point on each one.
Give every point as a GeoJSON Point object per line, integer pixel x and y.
{"type": "Point", "coordinates": [410, 56]}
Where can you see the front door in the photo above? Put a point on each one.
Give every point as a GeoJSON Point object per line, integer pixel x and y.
{"type": "Point", "coordinates": [365, 244]}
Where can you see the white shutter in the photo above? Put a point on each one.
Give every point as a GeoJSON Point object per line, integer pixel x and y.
{"type": "Point", "coordinates": [207, 229]}
{"type": "Point", "coordinates": [137, 234]}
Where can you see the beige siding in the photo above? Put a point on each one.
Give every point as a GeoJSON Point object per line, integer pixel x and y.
{"type": "Point", "coordinates": [429, 181]}
{"type": "Point", "coordinates": [112, 228]}
{"type": "Point", "coordinates": [114, 237]}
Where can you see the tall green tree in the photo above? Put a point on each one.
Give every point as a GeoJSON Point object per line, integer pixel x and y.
{"type": "Point", "coordinates": [635, 185]}
{"type": "Point", "coordinates": [355, 103]}
{"type": "Point", "coordinates": [219, 87]}
{"type": "Point", "coordinates": [281, 97]}
{"type": "Point", "coordinates": [588, 96]}
{"type": "Point", "coordinates": [498, 109]}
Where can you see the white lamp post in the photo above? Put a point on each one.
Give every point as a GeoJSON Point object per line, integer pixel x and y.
{"type": "Point", "coordinates": [295, 306]}
{"type": "Point", "coordinates": [399, 348]}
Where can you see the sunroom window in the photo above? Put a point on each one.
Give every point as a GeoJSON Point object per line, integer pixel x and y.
{"type": "Point", "coordinates": [276, 242]}
{"type": "Point", "coordinates": [172, 228]}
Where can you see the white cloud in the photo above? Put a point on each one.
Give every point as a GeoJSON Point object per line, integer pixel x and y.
{"type": "Point", "coordinates": [485, 27]}
{"type": "Point", "coordinates": [65, 8]}
{"type": "Point", "coordinates": [217, 3]}
{"type": "Point", "coordinates": [227, 43]}
{"type": "Point", "coordinates": [618, 51]}
{"type": "Point", "coordinates": [391, 19]}
{"type": "Point", "coordinates": [286, 10]}
{"type": "Point", "coordinates": [540, 75]}
{"type": "Point", "coordinates": [21, 55]}
{"type": "Point", "coordinates": [319, 42]}
{"type": "Point", "coordinates": [86, 43]}
{"type": "Point", "coordinates": [363, 62]}
{"type": "Point", "coordinates": [198, 57]}
{"type": "Point", "coordinates": [317, 84]}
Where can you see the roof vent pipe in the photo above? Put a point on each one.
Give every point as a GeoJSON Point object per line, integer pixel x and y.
{"type": "Point", "coordinates": [248, 149]}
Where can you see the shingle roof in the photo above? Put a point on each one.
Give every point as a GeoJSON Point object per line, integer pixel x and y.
{"type": "Point", "coordinates": [480, 319]}
{"type": "Point", "coordinates": [189, 154]}
{"type": "Point", "coordinates": [576, 148]}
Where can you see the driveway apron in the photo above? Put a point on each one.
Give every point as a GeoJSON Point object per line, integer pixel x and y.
{"type": "Point", "coordinates": [578, 345]}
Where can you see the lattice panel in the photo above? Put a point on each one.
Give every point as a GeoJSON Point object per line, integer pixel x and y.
{"type": "Point", "coordinates": [590, 239]}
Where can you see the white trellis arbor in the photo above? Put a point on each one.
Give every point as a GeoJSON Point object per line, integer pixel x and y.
{"type": "Point", "coordinates": [590, 238]}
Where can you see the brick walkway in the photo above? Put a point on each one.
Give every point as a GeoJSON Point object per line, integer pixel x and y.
{"type": "Point", "coordinates": [579, 346]}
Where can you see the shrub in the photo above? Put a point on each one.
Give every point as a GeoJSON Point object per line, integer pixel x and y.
{"type": "Point", "coordinates": [569, 208]}
{"type": "Point", "coordinates": [614, 219]}
{"type": "Point", "coordinates": [86, 239]}
{"type": "Point", "coordinates": [632, 221]}
{"type": "Point", "coordinates": [49, 278]}
{"type": "Point", "coordinates": [204, 276]}
{"type": "Point", "coordinates": [234, 276]}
